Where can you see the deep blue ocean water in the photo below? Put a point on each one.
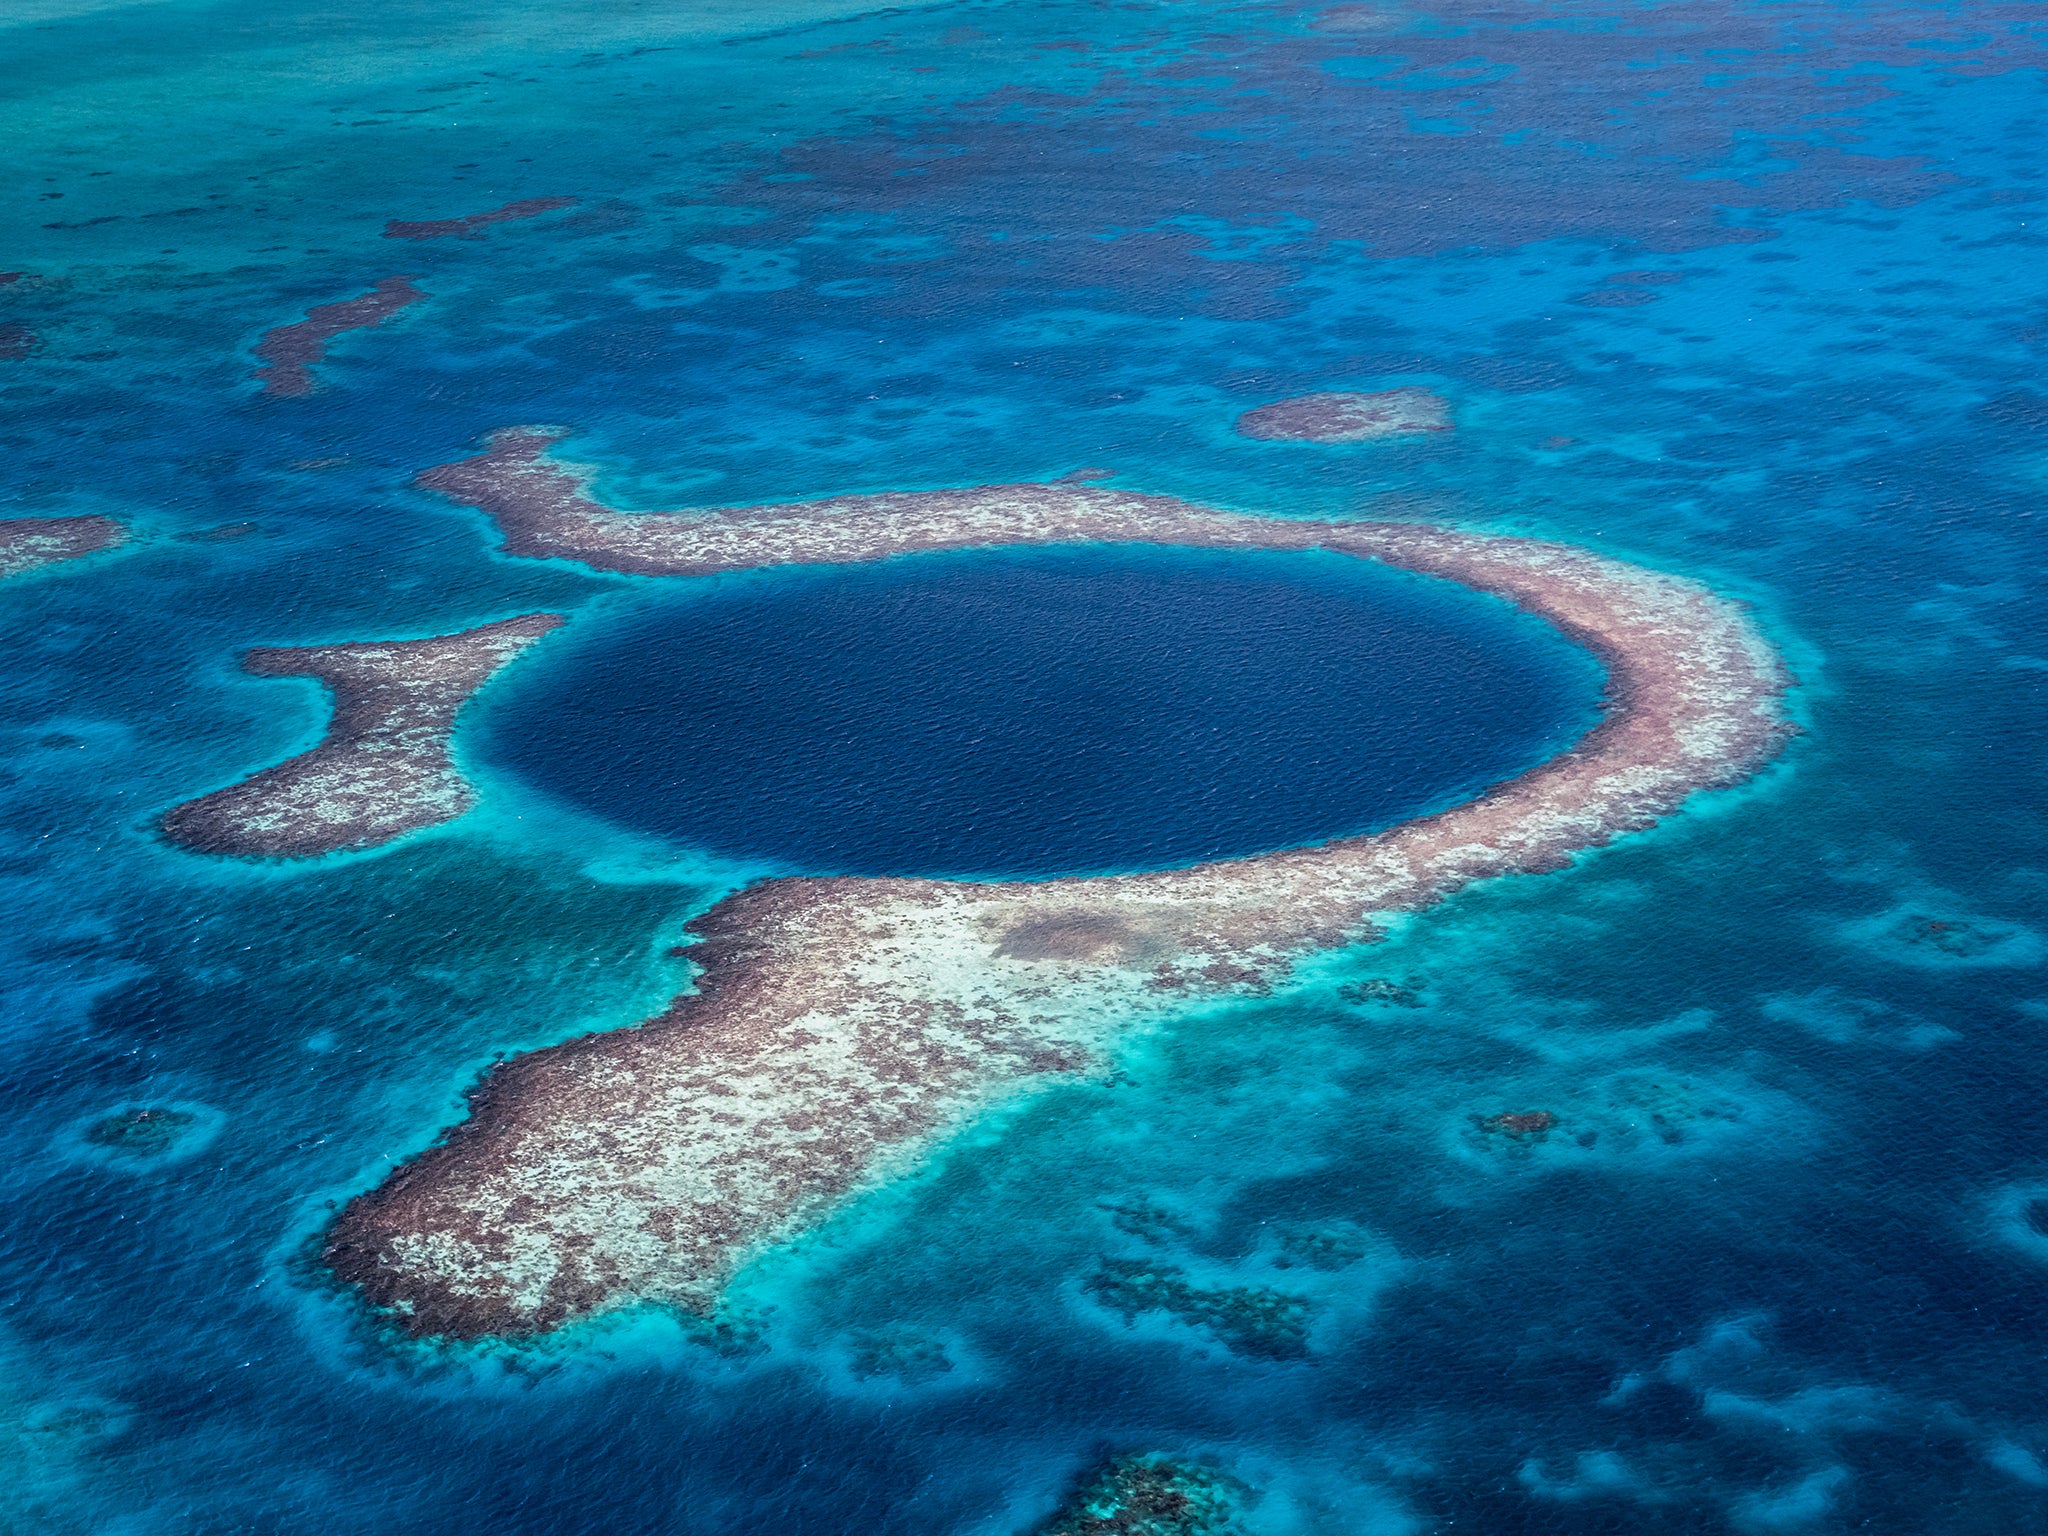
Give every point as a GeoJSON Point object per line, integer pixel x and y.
{"type": "Point", "coordinates": [1736, 289]}
{"type": "Point", "coordinates": [1067, 711]}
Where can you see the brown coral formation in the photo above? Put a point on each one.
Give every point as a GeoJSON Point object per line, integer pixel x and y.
{"type": "Point", "coordinates": [1253, 1320]}
{"type": "Point", "coordinates": [1531, 1122]}
{"type": "Point", "coordinates": [289, 351]}
{"type": "Point", "coordinates": [842, 1026]}
{"type": "Point", "coordinates": [904, 1354]}
{"type": "Point", "coordinates": [467, 227]}
{"type": "Point", "coordinates": [383, 768]}
{"type": "Point", "coordinates": [149, 1131]}
{"type": "Point", "coordinates": [1347, 418]}
{"type": "Point", "coordinates": [27, 543]}
{"type": "Point", "coordinates": [1385, 991]}
{"type": "Point", "coordinates": [1357, 18]}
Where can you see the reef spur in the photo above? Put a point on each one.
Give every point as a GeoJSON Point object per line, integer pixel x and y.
{"type": "Point", "coordinates": [382, 769]}
{"type": "Point", "coordinates": [842, 1026]}
{"type": "Point", "coordinates": [290, 351]}
{"type": "Point", "coordinates": [469, 226]}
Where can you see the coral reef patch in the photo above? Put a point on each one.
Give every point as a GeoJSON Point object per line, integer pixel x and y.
{"type": "Point", "coordinates": [28, 543]}
{"type": "Point", "coordinates": [1149, 1496]}
{"type": "Point", "coordinates": [383, 768]}
{"type": "Point", "coordinates": [904, 1355]}
{"type": "Point", "coordinates": [1150, 1222]}
{"type": "Point", "coordinates": [220, 533]}
{"type": "Point", "coordinates": [1527, 1122]}
{"type": "Point", "coordinates": [843, 1026]}
{"type": "Point", "coordinates": [289, 351]}
{"type": "Point", "coordinates": [146, 1131]}
{"type": "Point", "coordinates": [2019, 1217]}
{"type": "Point", "coordinates": [1384, 991]}
{"type": "Point", "coordinates": [1251, 1320]}
{"type": "Point", "coordinates": [1329, 1248]}
{"type": "Point", "coordinates": [1347, 418]}
{"type": "Point", "coordinates": [470, 225]}
{"type": "Point", "coordinates": [140, 1137]}
{"type": "Point", "coordinates": [1934, 937]}
{"type": "Point", "coordinates": [1626, 1115]}
{"type": "Point", "coordinates": [1357, 18]}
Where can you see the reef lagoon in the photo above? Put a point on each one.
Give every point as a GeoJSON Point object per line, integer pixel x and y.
{"type": "Point", "coordinates": [1023, 770]}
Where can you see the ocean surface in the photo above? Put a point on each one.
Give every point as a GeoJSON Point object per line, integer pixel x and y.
{"type": "Point", "coordinates": [1735, 290]}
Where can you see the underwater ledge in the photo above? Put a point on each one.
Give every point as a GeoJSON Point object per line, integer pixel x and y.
{"type": "Point", "coordinates": [841, 1027]}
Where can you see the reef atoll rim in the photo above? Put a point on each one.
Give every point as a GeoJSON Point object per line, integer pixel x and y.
{"type": "Point", "coordinates": [29, 543]}
{"type": "Point", "coordinates": [841, 1027]}
{"type": "Point", "coordinates": [382, 769]}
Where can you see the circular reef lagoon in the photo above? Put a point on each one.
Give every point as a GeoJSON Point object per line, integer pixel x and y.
{"type": "Point", "coordinates": [1039, 712]}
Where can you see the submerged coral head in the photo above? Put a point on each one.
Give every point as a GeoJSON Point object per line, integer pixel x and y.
{"type": "Point", "coordinates": [141, 1132]}
{"type": "Point", "coordinates": [1347, 418]}
{"type": "Point", "coordinates": [1529, 1122]}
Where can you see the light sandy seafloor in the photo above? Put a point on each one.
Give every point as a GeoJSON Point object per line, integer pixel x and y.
{"type": "Point", "coordinates": [382, 769]}
{"type": "Point", "coordinates": [29, 543]}
{"type": "Point", "coordinates": [842, 1026]}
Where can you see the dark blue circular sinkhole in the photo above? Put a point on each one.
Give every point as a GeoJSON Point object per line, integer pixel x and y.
{"type": "Point", "coordinates": [1034, 712]}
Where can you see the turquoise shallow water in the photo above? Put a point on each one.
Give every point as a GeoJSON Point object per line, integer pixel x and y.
{"type": "Point", "coordinates": [1742, 291]}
